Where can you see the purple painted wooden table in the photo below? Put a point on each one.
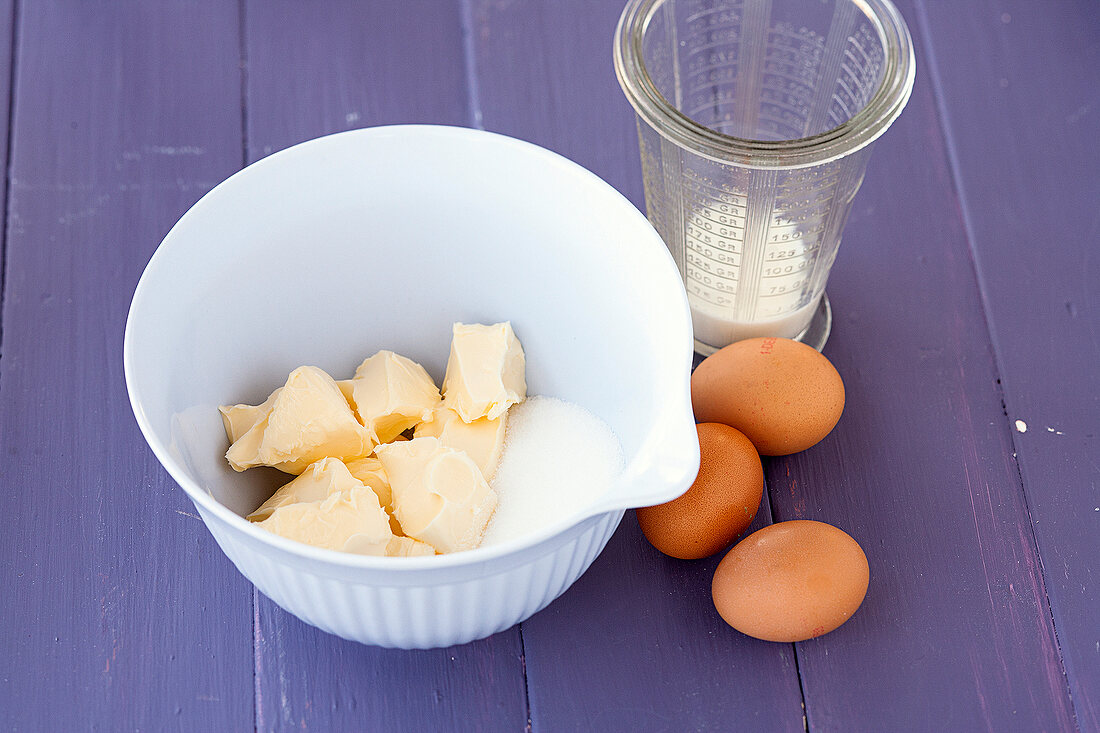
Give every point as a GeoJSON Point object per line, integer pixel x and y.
{"type": "Point", "coordinates": [967, 308]}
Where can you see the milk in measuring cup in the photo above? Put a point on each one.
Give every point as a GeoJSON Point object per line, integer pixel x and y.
{"type": "Point", "coordinates": [717, 328]}
{"type": "Point", "coordinates": [744, 282]}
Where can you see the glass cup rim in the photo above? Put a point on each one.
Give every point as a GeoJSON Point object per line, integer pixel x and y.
{"type": "Point", "coordinates": [860, 130]}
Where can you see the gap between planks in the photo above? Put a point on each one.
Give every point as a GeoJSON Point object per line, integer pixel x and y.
{"type": "Point", "coordinates": [14, 40]}
{"type": "Point", "coordinates": [242, 61]}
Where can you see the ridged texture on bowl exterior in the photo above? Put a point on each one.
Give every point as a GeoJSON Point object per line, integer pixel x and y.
{"type": "Point", "coordinates": [419, 616]}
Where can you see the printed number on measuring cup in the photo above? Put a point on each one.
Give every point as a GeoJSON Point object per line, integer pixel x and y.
{"type": "Point", "coordinates": [780, 289]}
{"type": "Point", "coordinates": [781, 270]}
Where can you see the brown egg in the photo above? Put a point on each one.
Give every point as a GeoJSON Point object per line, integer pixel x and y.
{"type": "Point", "coordinates": [782, 394]}
{"type": "Point", "coordinates": [716, 508]}
{"type": "Point", "coordinates": [791, 581]}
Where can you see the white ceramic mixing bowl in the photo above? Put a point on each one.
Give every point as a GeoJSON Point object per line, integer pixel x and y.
{"type": "Point", "coordinates": [381, 238]}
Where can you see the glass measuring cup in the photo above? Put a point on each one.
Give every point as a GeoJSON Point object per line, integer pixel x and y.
{"type": "Point", "coordinates": [755, 123]}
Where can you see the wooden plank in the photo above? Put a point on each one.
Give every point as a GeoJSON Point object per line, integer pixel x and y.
{"type": "Point", "coordinates": [122, 612]}
{"type": "Point", "coordinates": [318, 69]}
{"type": "Point", "coordinates": [636, 643]}
{"type": "Point", "coordinates": [309, 680]}
{"type": "Point", "coordinates": [313, 69]}
{"type": "Point", "coordinates": [920, 471]}
{"type": "Point", "coordinates": [1024, 127]}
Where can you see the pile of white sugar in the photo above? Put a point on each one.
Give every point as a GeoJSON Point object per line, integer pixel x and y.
{"type": "Point", "coordinates": [558, 459]}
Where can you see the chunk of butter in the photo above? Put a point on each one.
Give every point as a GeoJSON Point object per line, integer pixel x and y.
{"type": "Point", "coordinates": [369, 470]}
{"type": "Point", "coordinates": [391, 393]}
{"type": "Point", "coordinates": [439, 494]}
{"type": "Point", "coordinates": [482, 439]}
{"type": "Point", "coordinates": [346, 388]}
{"type": "Point", "coordinates": [308, 420]}
{"type": "Point", "coordinates": [320, 480]}
{"type": "Point", "coordinates": [408, 547]}
{"type": "Point", "coordinates": [485, 371]}
{"type": "Point", "coordinates": [239, 419]}
{"type": "Point", "coordinates": [348, 521]}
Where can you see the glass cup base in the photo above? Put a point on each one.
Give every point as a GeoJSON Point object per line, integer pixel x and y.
{"type": "Point", "coordinates": [815, 334]}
